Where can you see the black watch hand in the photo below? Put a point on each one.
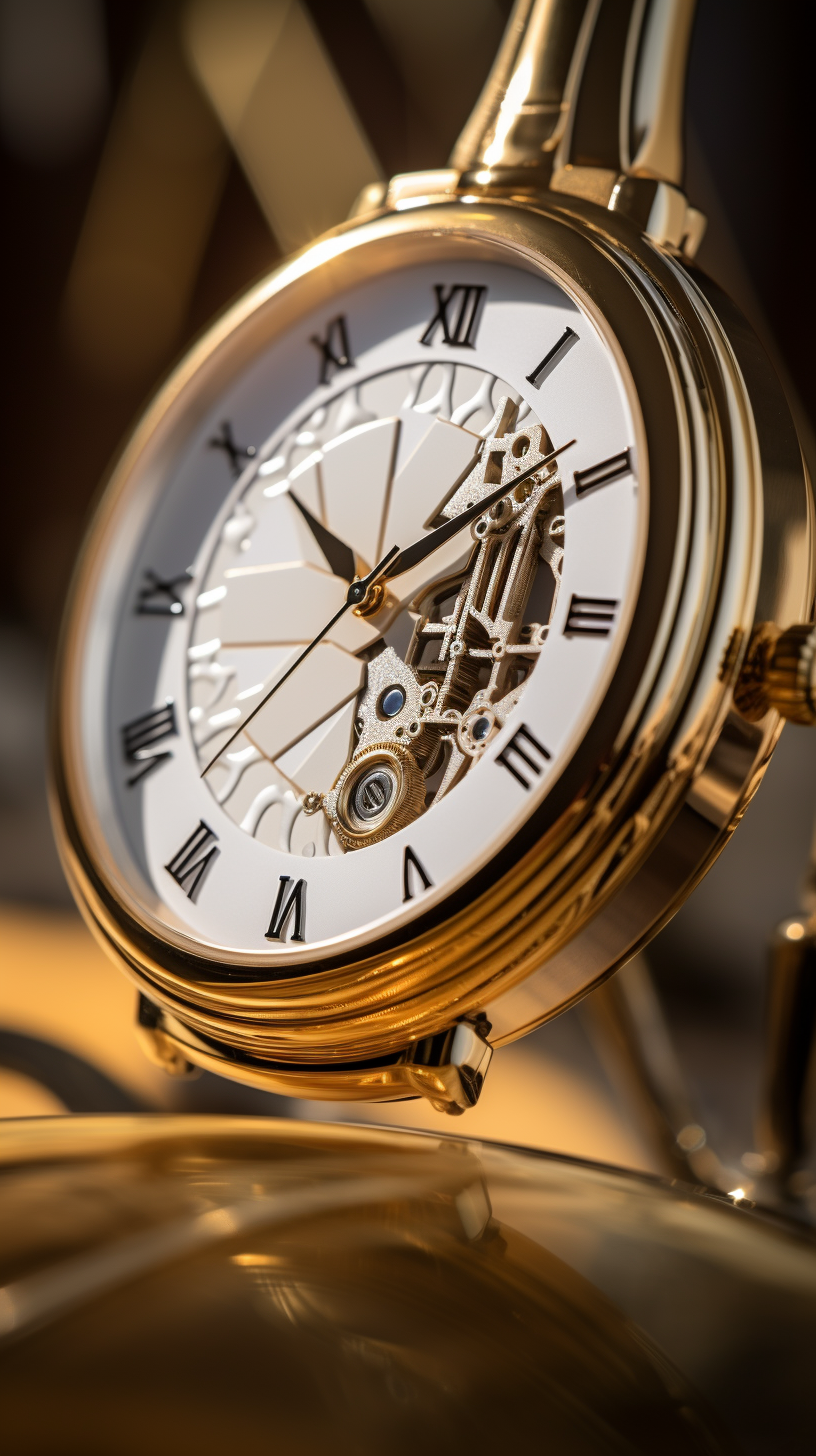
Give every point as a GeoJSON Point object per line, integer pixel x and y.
{"type": "Point", "coordinates": [340, 557]}
{"type": "Point", "coordinates": [414, 554]}
{"type": "Point", "coordinates": [354, 596]}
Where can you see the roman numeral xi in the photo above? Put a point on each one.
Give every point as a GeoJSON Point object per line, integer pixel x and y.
{"type": "Point", "coordinates": [457, 314]}
{"type": "Point", "coordinates": [140, 740]}
{"type": "Point", "coordinates": [334, 349]}
{"type": "Point", "coordinates": [189, 865]}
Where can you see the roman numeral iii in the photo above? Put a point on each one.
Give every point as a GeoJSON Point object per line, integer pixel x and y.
{"type": "Point", "coordinates": [590, 616]}
{"type": "Point", "coordinates": [458, 309]}
{"type": "Point", "coordinates": [602, 473]}
{"type": "Point", "coordinates": [189, 865]}
{"type": "Point", "coordinates": [524, 747]}
{"type": "Point", "coordinates": [288, 904]}
{"type": "Point", "coordinates": [141, 737]}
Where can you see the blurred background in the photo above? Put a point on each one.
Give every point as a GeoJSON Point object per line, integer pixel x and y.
{"type": "Point", "coordinates": [156, 159]}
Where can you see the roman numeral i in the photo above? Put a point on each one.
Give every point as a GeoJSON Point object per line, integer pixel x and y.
{"type": "Point", "coordinates": [457, 314]}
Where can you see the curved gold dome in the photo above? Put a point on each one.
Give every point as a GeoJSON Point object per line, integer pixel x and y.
{"type": "Point", "coordinates": [205, 1284]}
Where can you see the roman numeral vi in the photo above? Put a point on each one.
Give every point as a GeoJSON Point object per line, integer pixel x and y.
{"type": "Point", "coordinates": [288, 903]}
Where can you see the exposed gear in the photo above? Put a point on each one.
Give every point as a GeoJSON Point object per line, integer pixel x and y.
{"type": "Point", "coordinates": [472, 648]}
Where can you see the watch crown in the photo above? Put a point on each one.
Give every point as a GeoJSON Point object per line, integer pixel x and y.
{"type": "Point", "coordinates": [790, 675]}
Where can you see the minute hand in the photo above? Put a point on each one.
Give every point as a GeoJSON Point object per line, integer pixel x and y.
{"type": "Point", "coordinates": [354, 596]}
{"type": "Point", "coordinates": [417, 552]}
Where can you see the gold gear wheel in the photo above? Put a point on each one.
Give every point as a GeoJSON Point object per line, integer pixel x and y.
{"type": "Point", "coordinates": [378, 792]}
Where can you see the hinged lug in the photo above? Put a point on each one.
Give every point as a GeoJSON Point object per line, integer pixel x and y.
{"type": "Point", "coordinates": [157, 1046]}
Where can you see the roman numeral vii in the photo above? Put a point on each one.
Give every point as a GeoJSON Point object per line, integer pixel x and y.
{"type": "Point", "coordinates": [189, 865]}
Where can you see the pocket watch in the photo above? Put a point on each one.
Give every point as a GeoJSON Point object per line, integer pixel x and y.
{"type": "Point", "coordinates": [439, 618]}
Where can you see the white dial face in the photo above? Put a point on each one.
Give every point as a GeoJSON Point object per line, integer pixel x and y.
{"type": "Point", "coordinates": [289, 804]}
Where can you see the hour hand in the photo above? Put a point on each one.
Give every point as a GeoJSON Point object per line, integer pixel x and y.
{"type": "Point", "coordinates": [340, 557]}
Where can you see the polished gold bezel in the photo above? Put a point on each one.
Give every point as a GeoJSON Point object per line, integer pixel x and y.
{"type": "Point", "coordinates": [554, 911]}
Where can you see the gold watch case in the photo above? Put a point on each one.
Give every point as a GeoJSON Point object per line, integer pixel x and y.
{"type": "Point", "coordinates": [666, 768]}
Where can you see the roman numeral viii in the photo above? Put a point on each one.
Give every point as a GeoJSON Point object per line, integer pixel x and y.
{"type": "Point", "coordinates": [458, 309]}
{"type": "Point", "coordinates": [140, 740]}
{"type": "Point", "coordinates": [289, 903]}
{"type": "Point", "coordinates": [189, 865]}
{"type": "Point", "coordinates": [590, 616]}
{"type": "Point", "coordinates": [524, 748]}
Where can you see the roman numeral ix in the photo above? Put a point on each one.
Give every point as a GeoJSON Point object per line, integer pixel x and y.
{"type": "Point", "coordinates": [602, 473]}
{"type": "Point", "coordinates": [141, 737]}
{"type": "Point", "coordinates": [457, 314]}
{"type": "Point", "coordinates": [238, 455]}
{"type": "Point", "coordinates": [289, 902]}
{"type": "Point", "coordinates": [159, 597]}
{"type": "Point", "coordinates": [559, 350]}
{"type": "Point", "coordinates": [590, 616]}
{"type": "Point", "coordinates": [192, 861]}
{"type": "Point", "coordinates": [335, 350]}
{"type": "Point", "coordinates": [409, 859]}
{"type": "Point", "coordinates": [523, 745]}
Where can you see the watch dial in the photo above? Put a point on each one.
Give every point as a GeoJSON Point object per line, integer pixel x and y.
{"type": "Point", "coordinates": [288, 811]}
